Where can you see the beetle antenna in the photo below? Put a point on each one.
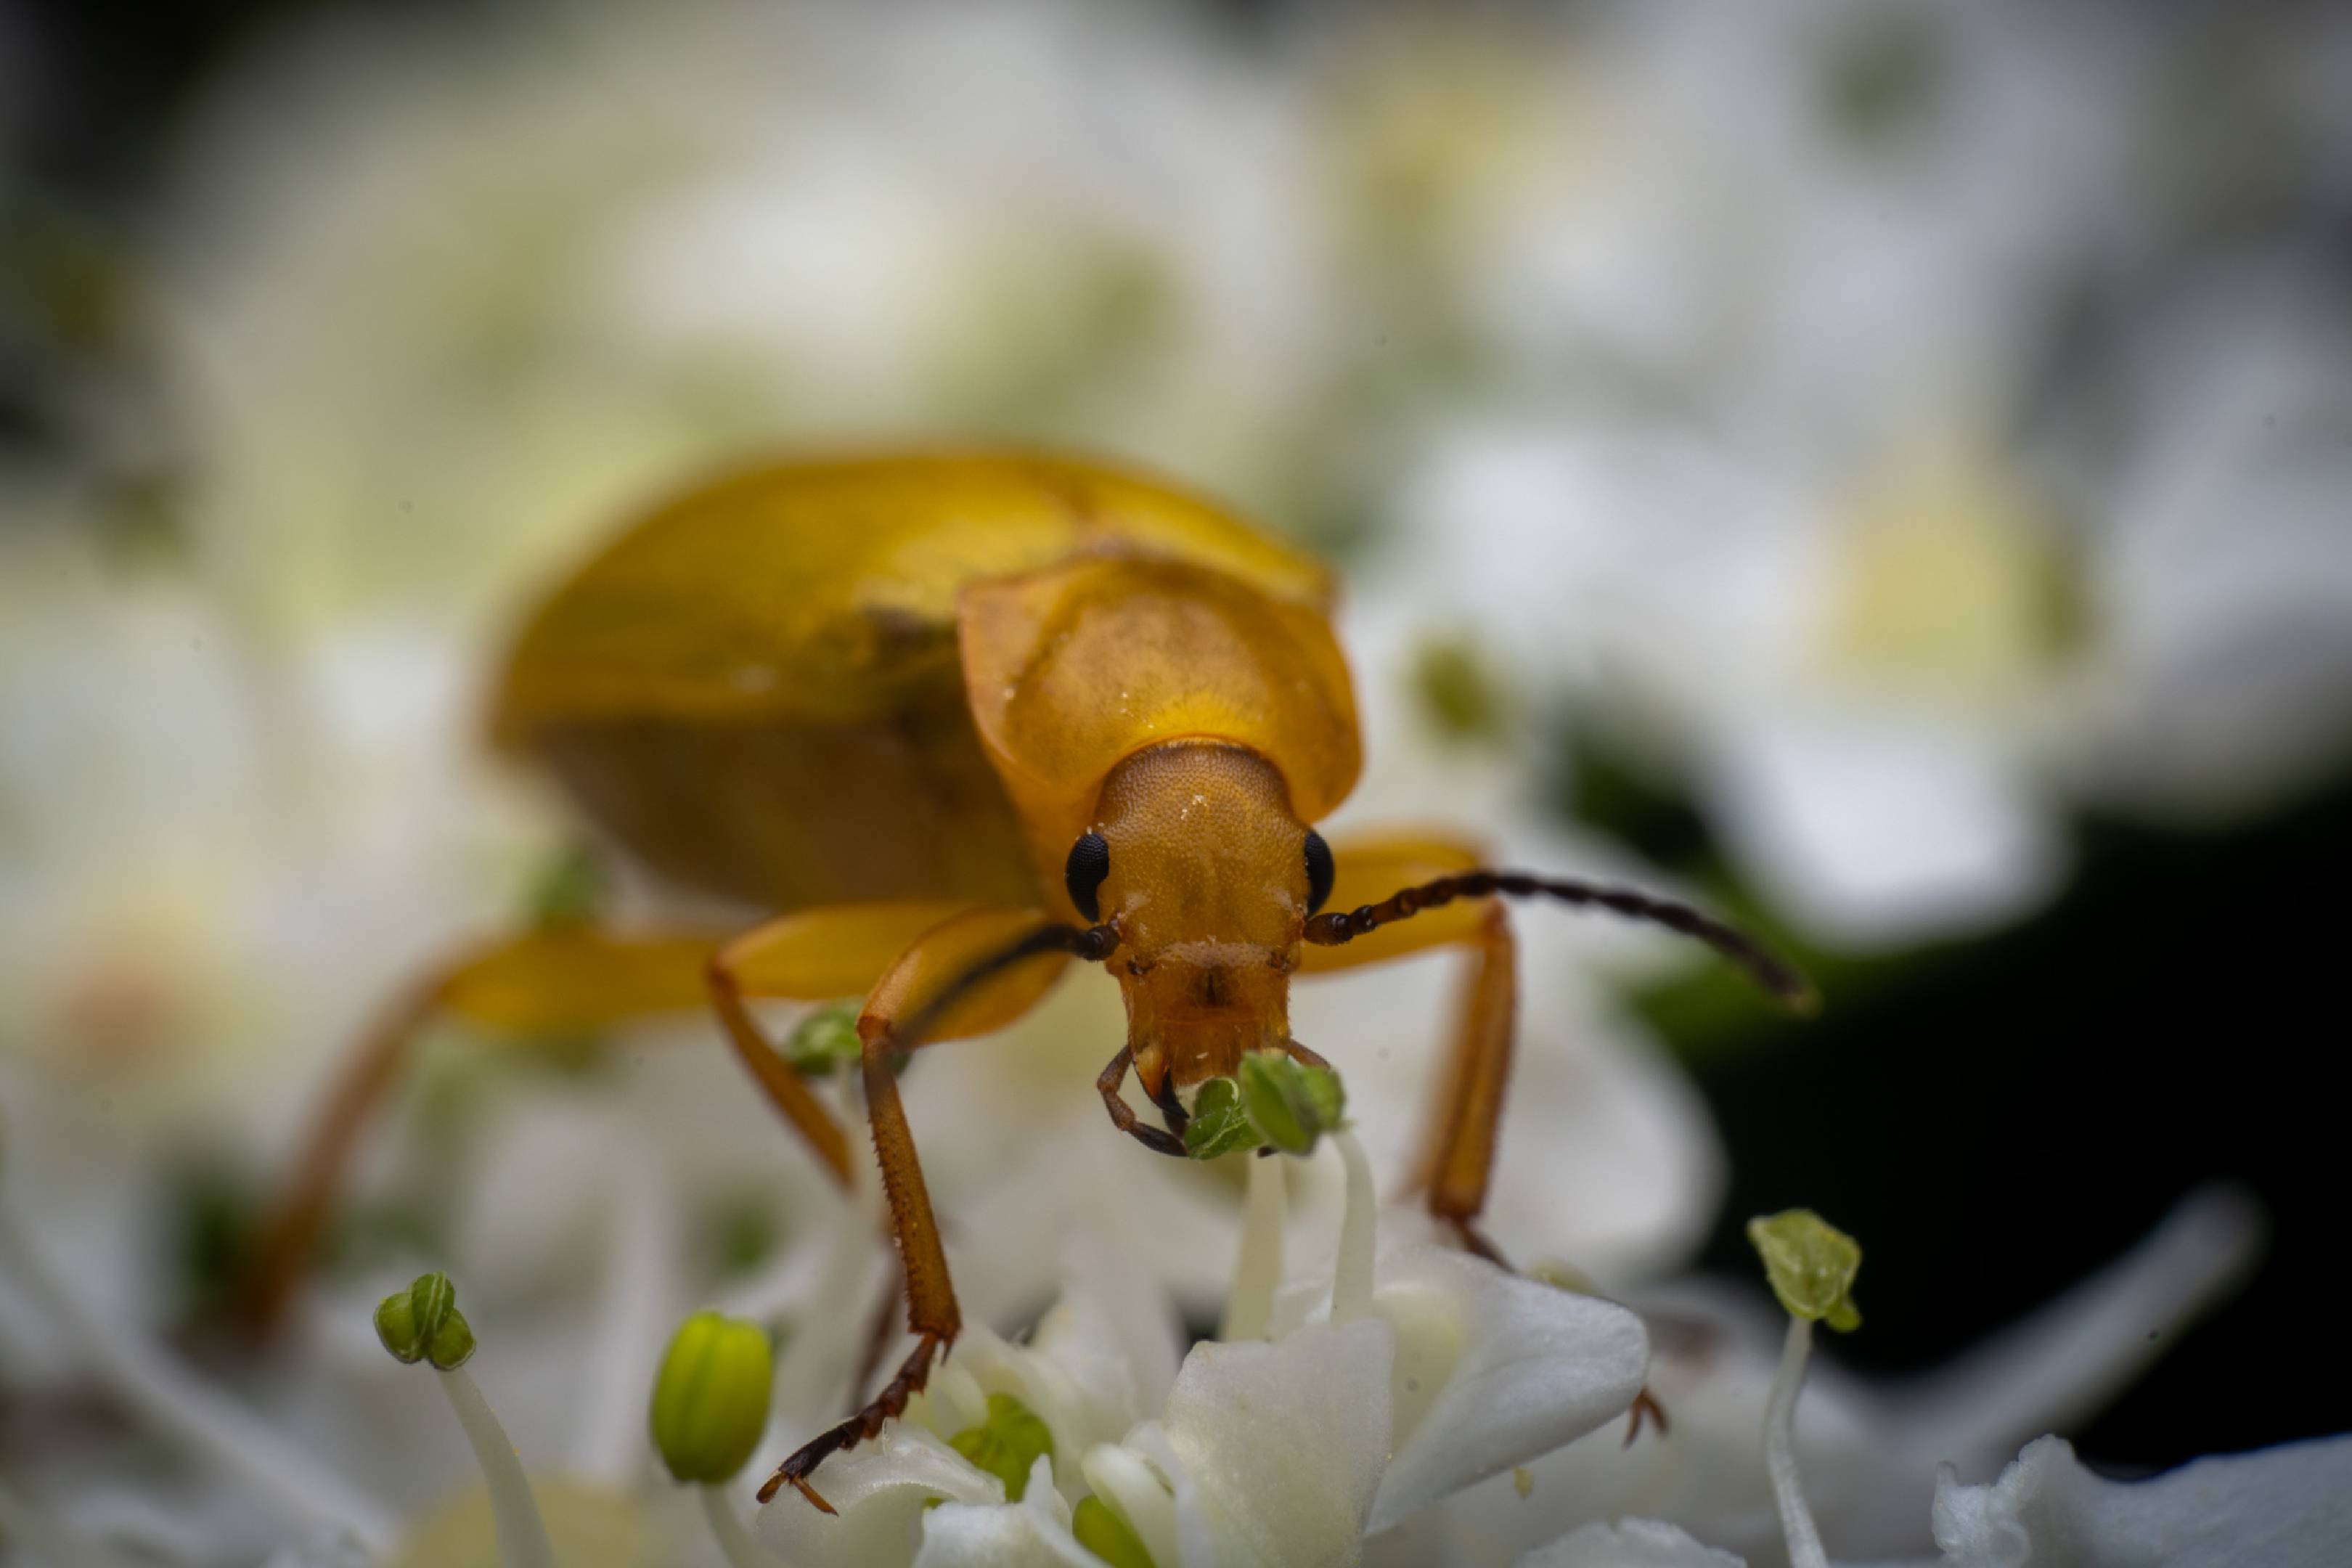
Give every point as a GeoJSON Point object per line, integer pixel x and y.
{"type": "Point", "coordinates": [1775, 976]}
{"type": "Point", "coordinates": [1092, 943]}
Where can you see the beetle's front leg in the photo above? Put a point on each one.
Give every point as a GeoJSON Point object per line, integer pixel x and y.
{"type": "Point", "coordinates": [933, 1315]}
{"type": "Point", "coordinates": [1122, 1115]}
{"type": "Point", "coordinates": [936, 968]}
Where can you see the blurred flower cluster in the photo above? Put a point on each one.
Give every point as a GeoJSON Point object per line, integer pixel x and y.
{"type": "Point", "coordinates": [1869, 434]}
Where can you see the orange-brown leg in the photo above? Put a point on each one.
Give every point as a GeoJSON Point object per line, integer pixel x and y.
{"type": "Point", "coordinates": [931, 969]}
{"type": "Point", "coordinates": [1456, 1153]}
{"type": "Point", "coordinates": [288, 1233]}
{"type": "Point", "coordinates": [1122, 1115]}
{"type": "Point", "coordinates": [1455, 1161]}
{"type": "Point", "coordinates": [932, 1316]}
{"type": "Point", "coordinates": [572, 979]}
{"type": "Point", "coordinates": [1456, 1157]}
{"type": "Point", "coordinates": [563, 982]}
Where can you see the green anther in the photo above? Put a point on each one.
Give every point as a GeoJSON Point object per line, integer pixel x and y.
{"type": "Point", "coordinates": [422, 1324]}
{"type": "Point", "coordinates": [1291, 1105]}
{"type": "Point", "coordinates": [1218, 1124]}
{"type": "Point", "coordinates": [1458, 689]}
{"type": "Point", "coordinates": [1007, 1444]}
{"type": "Point", "coordinates": [1107, 1536]}
{"type": "Point", "coordinates": [1812, 1265]}
{"type": "Point", "coordinates": [825, 1040]}
{"type": "Point", "coordinates": [710, 1398]}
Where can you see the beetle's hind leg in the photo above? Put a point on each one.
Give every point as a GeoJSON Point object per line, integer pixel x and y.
{"type": "Point", "coordinates": [556, 981]}
{"type": "Point", "coordinates": [1123, 1117]}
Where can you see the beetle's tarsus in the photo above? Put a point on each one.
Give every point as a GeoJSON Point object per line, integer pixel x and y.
{"type": "Point", "coordinates": [913, 1373]}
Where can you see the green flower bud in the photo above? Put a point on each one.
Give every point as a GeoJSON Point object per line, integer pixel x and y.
{"type": "Point", "coordinates": [1218, 1124]}
{"type": "Point", "coordinates": [422, 1324]}
{"type": "Point", "coordinates": [1459, 689]}
{"type": "Point", "coordinates": [826, 1040]}
{"type": "Point", "coordinates": [572, 891]}
{"type": "Point", "coordinates": [1291, 1105]}
{"type": "Point", "coordinates": [1812, 1265]}
{"type": "Point", "coordinates": [1107, 1536]}
{"type": "Point", "coordinates": [710, 1399]}
{"type": "Point", "coordinates": [1007, 1444]}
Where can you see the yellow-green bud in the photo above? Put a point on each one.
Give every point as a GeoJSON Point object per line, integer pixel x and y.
{"type": "Point", "coordinates": [710, 1400]}
{"type": "Point", "coordinates": [1007, 1444]}
{"type": "Point", "coordinates": [826, 1040]}
{"type": "Point", "coordinates": [1290, 1104]}
{"type": "Point", "coordinates": [1812, 1265]}
{"type": "Point", "coordinates": [1219, 1125]}
{"type": "Point", "coordinates": [422, 1324]}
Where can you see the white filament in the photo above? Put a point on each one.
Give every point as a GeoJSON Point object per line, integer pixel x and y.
{"type": "Point", "coordinates": [609, 1432]}
{"type": "Point", "coordinates": [1780, 1449]}
{"type": "Point", "coordinates": [522, 1535]}
{"type": "Point", "coordinates": [735, 1543]}
{"type": "Point", "coordinates": [24, 1521]}
{"type": "Point", "coordinates": [1351, 1278]}
{"type": "Point", "coordinates": [150, 1383]}
{"type": "Point", "coordinates": [1249, 1307]}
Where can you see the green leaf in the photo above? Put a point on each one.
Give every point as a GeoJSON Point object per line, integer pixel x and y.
{"type": "Point", "coordinates": [1218, 1124]}
{"type": "Point", "coordinates": [1107, 1536]}
{"type": "Point", "coordinates": [1812, 1265]}
{"type": "Point", "coordinates": [825, 1040]}
{"type": "Point", "coordinates": [1291, 1105]}
{"type": "Point", "coordinates": [1007, 1444]}
{"type": "Point", "coordinates": [710, 1398]}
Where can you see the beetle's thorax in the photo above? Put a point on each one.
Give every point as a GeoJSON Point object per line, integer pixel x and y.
{"type": "Point", "coordinates": [1208, 886]}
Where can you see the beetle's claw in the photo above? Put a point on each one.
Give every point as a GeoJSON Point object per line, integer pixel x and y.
{"type": "Point", "coordinates": [1645, 1407]}
{"type": "Point", "coordinates": [913, 1373]}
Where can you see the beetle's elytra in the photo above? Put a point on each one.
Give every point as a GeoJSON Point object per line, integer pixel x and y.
{"type": "Point", "coordinates": [951, 720]}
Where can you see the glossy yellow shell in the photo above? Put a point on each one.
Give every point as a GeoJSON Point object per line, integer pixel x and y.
{"type": "Point", "coordinates": [1071, 669]}
{"type": "Point", "coordinates": [759, 688]}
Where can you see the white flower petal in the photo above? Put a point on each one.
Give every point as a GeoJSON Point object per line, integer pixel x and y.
{"type": "Point", "coordinates": [1492, 1370]}
{"type": "Point", "coordinates": [1628, 1543]}
{"type": "Point", "coordinates": [1285, 1442]}
{"type": "Point", "coordinates": [2283, 1507]}
{"type": "Point", "coordinates": [879, 1490]}
{"type": "Point", "coordinates": [1031, 1533]}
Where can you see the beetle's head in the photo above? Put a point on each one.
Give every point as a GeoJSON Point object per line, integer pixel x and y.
{"type": "Point", "coordinates": [1197, 859]}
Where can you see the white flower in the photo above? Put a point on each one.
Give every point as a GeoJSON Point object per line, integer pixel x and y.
{"type": "Point", "coordinates": [2288, 1507]}
{"type": "Point", "coordinates": [1289, 1451]}
{"type": "Point", "coordinates": [1869, 1455]}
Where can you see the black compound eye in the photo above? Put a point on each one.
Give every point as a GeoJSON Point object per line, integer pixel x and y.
{"type": "Point", "coordinates": [1319, 871]}
{"type": "Point", "coordinates": [1089, 863]}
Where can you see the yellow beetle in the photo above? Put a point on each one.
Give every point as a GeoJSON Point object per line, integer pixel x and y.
{"type": "Point", "coordinates": [958, 718]}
